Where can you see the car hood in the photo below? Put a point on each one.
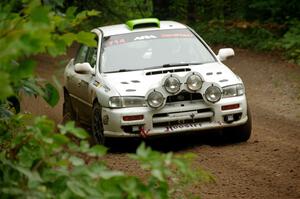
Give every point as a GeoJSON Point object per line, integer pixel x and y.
{"type": "Point", "coordinates": [138, 83]}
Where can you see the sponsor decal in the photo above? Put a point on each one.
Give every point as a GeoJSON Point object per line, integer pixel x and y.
{"type": "Point", "coordinates": [106, 88]}
{"type": "Point", "coordinates": [176, 35]}
{"type": "Point", "coordinates": [97, 84]}
{"type": "Point", "coordinates": [145, 37]}
{"type": "Point", "coordinates": [181, 126]}
{"type": "Point", "coordinates": [105, 119]}
{"type": "Point", "coordinates": [116, 42]}
{"type": "Point", "coordinates": [194, 125]}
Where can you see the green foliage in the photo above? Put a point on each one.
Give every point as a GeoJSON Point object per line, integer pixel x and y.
{"type": "Point", "coordinates": [180, 176]}
{"type": "Point", "coordinates": [252, 35]}
{"type": "Point", "coordinates": [39, 159]}
{"type": "Point", "coordinates": [37, 163]}
{"type": "Point", "coordinates": [51, 94]}
{"type": "Point", "coordinates": [239, 34]}
{"type": "Point", "coordinates": [290, 42]}
{"type": "Point", "coordinates": [6, 89]}
{"type": "Point", "coordinates": [179, 9]}
{"type": "Point", "coordinates": [31, 30]}
{"type": "Point", "coordinates": [114, 11]}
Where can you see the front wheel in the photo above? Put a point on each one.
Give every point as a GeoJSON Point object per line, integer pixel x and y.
{"type": "Point", "coordinates": [239, 133]}
{"type": "Point", "coordinates": [97, 126]}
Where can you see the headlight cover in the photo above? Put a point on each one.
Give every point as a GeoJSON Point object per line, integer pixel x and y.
{"type": "Point", "coordinates": [213, 94]}
{"type": "Point", "coordinates": [122, 102]}
{"type": "Point", "coordinates": [233, 90]}
{"type": "Point", "coordinates": [155, 99]}
{"type": "Point", "coordinates": [194, 82]}
{"type": "Point", "coordinates": [172, 84]}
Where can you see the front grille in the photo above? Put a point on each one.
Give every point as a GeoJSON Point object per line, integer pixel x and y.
{"type": "Point", "coordinates": [184, 96]}
{"type": "Point", "coordinates": [189, 121]}
{"type": "Point", "coordinates": [158, 115]}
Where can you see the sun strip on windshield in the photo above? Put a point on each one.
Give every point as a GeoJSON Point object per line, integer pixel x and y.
{"type": "Point", "coordinates": [147, 35]}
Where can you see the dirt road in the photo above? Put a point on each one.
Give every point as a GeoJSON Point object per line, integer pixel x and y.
{"type": "Point", "coordinates": [267, 166]}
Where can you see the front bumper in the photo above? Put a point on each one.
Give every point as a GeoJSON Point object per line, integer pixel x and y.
{"type": "Point", "coordinates": [178, 117]}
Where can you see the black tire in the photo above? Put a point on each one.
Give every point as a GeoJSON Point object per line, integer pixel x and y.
{"type": "Point", "coordinates": [97, 126]}
{"type": "Point", "coordinates": [239, 133]}
{"type": "Point", "coordinates": [68, 113]}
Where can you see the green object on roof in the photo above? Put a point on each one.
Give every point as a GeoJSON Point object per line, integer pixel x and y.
{"type": "Point", "coordinates": [143, 23]}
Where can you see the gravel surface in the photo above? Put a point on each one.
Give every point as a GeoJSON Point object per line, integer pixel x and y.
{"type": "Point", "coordinates": [267, 166]}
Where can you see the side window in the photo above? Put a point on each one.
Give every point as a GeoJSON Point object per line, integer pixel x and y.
{"type": "Point", "coordinates": [92, 56]}
{"type": "Point", "coordinates": [80, 57]}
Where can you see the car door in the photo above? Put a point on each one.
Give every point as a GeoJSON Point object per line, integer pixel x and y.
{"type": "Point", "coordinates": [73, 79]}
{"type": "Point", "coordinates": [84, 89]}
{"type": "Point", "coordinates": [78, 84]}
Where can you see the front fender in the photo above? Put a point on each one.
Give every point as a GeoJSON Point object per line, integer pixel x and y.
{"type": "Point", "coordinates": [102, 93]}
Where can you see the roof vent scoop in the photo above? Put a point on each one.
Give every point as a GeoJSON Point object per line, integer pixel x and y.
{"type": "Point", "coordinates": [143, 23]}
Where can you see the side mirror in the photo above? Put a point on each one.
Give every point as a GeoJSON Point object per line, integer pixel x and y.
{"type": "Point", "coordinates": [84, 68]}
{"type": "Point", "coordinates": [225, 53]}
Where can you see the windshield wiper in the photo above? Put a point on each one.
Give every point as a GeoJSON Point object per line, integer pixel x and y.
{"type": "Point", "coordinates": [120, 71]}
{"type": "Point", "coordinates": [179, 64]}
{"type": "Point", "coordinates": [173, 65]}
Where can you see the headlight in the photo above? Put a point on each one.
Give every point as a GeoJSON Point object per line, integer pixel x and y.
{"type": "Point", "coordinates": [213, 94]}
{"type": "Point", "coordinates": [122, 102]}
{"type": "Point", "coordinates": [172, 84]}
{"type": "Point", "coordinates": [115, 102]}
{"type": "Point", "coordinates": [155, 99]}
{"type": "Point", "coordinates": [194, 82]}
{"type": "Point", "coordinates": [234, 90]}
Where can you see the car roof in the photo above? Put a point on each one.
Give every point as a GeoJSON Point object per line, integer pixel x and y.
{"type": "Point", "coordinates": [123, 28]}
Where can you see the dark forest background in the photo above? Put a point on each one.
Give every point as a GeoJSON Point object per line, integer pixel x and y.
{"type": "Point", "coordinates": [257, 24]}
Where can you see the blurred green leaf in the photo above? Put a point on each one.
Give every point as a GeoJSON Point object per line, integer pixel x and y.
{"type": "Point", "coordinates": [56, 82]}
{"type": "Point", "coordinates": [30, 87]}
{"type": "Point", "coordinates": [76, 189]}
{"type": "Point", "coordinates": [107, 174]}
{"type": "Point", "coordinates": [93, 13]}
{"type": "Point", "coordinates": [5, 113]}
{"type": "Point", "coordinates": [70, 13]}
{"type": "Point", "coordinates": [158, 174]}
{"type": "Point", "coordinates": [55, 3]}
{"type": "Point", "coordinates": [5, 88]}
{"type": "Point", "coordinates": [80, 133]}
{"type": "Point", "coordinates": [69, 38]}
{"type": "Point", "coordinates": [59, 47]}
{"type": "Point", "coordinates": [87, 38]}
{"type": "Point", "coordinates": [60, 139]}
{"type": "Point", "coordinates": [97, 150]}
{"type": "Point", "coordinates": [76, 161]}
{"type": "Point", "coordinates": [25, 69]}
{"type": "Point", "coordinates": [31, 175]}
{"type": "Point", "coordinates": [51, 94]}
{"type": "Point", "coordinates": [70, 128]}
{"type": "Point", "coordinates": [39, 15]}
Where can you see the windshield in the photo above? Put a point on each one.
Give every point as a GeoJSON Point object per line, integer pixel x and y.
{"type": "Point", "coordinates": [151, 49]}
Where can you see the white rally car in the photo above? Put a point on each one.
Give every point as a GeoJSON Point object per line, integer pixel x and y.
{"type": "Point", "coordinates": [149, 77]}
